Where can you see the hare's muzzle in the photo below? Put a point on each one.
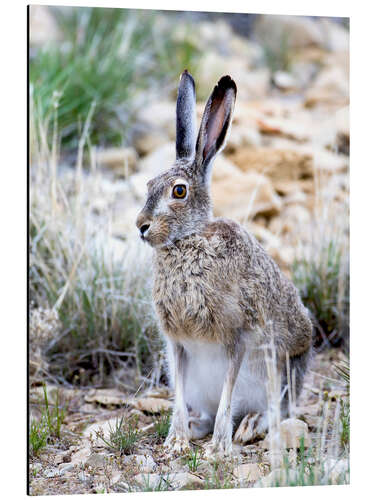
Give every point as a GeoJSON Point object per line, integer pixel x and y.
{"type": "Point", "coordinates": [143, 224]}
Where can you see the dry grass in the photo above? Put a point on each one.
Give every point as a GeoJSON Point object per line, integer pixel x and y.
{"type": "Point", "coordinates": [96, 284]}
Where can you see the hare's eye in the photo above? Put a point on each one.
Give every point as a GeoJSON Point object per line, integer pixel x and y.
{"type": "Point", "coordinates": [179, 191]}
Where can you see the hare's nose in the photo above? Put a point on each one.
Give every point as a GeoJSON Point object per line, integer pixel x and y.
{"type": "Point", "coordinates": [143, 229]}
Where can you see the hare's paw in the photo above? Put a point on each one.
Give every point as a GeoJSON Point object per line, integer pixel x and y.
{"type": "Point", "coordinates": [218, 449]}
{"type": "Point", "coordinates": [176, 442]}
{"type": "Point", "coordinates": [253, 426]}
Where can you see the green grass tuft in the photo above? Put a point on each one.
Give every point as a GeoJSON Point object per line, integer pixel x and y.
{"type": "Point", "coordinates": [193, 460]}
{"type": "Point", "coordinates": [38, 434]}
{"type": "Point", "coordinates": [107, 57]}
{"type": "Point", "coordinates": [123, 437]}
{"type": "Point", "coordinates": [162, 424]}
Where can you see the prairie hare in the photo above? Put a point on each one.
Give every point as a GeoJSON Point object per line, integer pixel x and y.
{"type": "Point", "coordinates": [219, 297]}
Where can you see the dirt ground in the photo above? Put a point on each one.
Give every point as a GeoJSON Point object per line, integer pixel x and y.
{"type": "Point", "coordinates": [81, 462]}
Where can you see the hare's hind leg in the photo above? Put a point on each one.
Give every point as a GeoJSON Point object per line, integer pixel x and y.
{"type": "Point", "coordinates": [178, 436]}
{"type": "Point", "coordinates": [253, 426]}
{"type": "Point", "coordinates": [221, 442]}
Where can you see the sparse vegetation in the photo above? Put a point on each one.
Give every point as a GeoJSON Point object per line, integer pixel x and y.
{"type": "Point", "coordinates": [163, 484]}
{"type": "Point", "coordinates": [218, 478]}
{"type": "Point", "coordinates": [323, 281]}
{"type": "Point", "coordinates": [123, 436]}
{"type": "Point", "coordinates": [103, 304]}
{"type": "Point", "coordinates": [277, 58]}
{"type": "Point", "coordinates": [194, 460]}
{"type": "Point", "coordinates": [53, 416]}
{"type": "Point", "coordinates": [162, 424]}
{"type": "Point", "coordinates": [38, 434]}
{"type": "Point", "coordinates": [109, 57]}
{"type": "Point", "coordinates": [48, 427]}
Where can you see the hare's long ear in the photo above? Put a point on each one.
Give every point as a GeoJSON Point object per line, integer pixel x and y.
{"type": "Point", "coordinates": [185, 117]}
{"type": "Point", "coordinates": [215, 124]}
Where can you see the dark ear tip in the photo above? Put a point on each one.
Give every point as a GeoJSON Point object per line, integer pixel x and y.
{"type": "Point", "coordinates": [186, 73]}
{"type": "Point", "coordinates": [226, 83]}
{"type": "Point", "coordinates": [185, 77]}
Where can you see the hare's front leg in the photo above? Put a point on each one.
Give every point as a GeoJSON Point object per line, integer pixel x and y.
{"type": "Point", "coordinates": [221, 442]}
{"type": "Point", "coordinates": [178, 436]}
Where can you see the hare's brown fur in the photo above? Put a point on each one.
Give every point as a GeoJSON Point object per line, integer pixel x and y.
{"type": "Point", "coordinates": [210, 284]}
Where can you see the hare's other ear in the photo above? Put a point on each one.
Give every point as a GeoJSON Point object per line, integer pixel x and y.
{"type": "Point", "coordinates": [216, 121]}
{"type": "Point", "coordinates": [185, 117]}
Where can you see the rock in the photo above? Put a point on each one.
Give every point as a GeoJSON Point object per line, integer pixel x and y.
{"type": "Point", "coordinates": [58, 459]}
{"type": "Point", "coordinates": [138, 186]}
{"type": "Point", "coordinates": [37, 466]}
{"type": "Point", "coordinates": [115, 477]}
{"type": "Point", "coordinates": [152, 405]}
{"type": "Point", "coordinates": [291, 431]}
{"type": "Point", "coordinates": [97, 460]}
{"type": "Point", "coordinates": [159, 116]}
{"type": "Point", "coordinates": [241, 136]}
{"type": "Point", "coordinates": [82, 476]}
{"type": "Point", "coordinates": [304, 72]}
{"type": "Point", "coordinates": [150, 481]}
{"type": "Point", "coordinates": [330, 163]}
{"type": "Point", "coordinates": [280, 477]}
{"type": "Point", "coordinates": [255, 84]}
{"type": "Point", "coordinates": [66, 468]}
{"type": "Point", "coordinates": [293, 220]}
{"type": "Point", "coordinates": [297, 128]}
{"type": "Point", "coordinates": [124, 228]}
{"type": "Point", "coordinates": [334, 133]}
{"type": "Point", "coordinates": [183, 480]}
{"type": "Point", "coordinates": [158, 161]}
{"type": "Point", "coordinates": [159, 392]}
{"type": "Point", "coordinates": [289, 188]}
{"type": "Point", "coordinates": [338, 471]}
{"type": "Point", "coordinates": [150, 141]}
{"type": "Point", "coordinates": [104, 427]}
{"type": "Point", "coordinates": [223, 169]}
{"type": "Point", "coordinates": [218, 33]}
{"type": "Point", "coordinates": [284, 81]}
{"type": "Point", "coordinates": [294, 197]}
{"type": "Point", "coordinates": [43, 26]}
{"type": "Point", "coordinates": [106, 397]}
{"type": "Point", "coordinates": [52, 472]}
{"type": "Point", "coordinates": [294, 31]}
{"type": "Point", "coordinates": [278, 164]}
{"type": "Point", "coordinates": [122, 161]}
{"type": "Point", "coordinates": [331, 87]}
{"type": "Point", "coordinates": [336, 37]}
{"type": "Point", "coordinates": [248, 472]}
{"type": "Point", "coordinates": [241, 196]}
{"type": "Point", "coordinates": [145, 463]}
{"type": "Point", "coordinates": [80, 457]}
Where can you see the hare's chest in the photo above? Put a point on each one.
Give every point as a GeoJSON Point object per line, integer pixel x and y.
{"type": "Point", "coordinates": [184, 295]}
{"type": "Point", "coordinates": [194, 297]}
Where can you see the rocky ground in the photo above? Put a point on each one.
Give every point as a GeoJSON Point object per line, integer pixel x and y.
{"type": "Point", "coordinates": [81, 462]}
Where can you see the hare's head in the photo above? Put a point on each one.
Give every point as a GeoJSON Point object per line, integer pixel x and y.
{"type": "Point", "coordinates": [178, 200]}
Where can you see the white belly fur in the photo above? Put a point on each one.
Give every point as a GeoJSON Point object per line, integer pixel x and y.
{"type": "Point", "coordinates": [206, 368]}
